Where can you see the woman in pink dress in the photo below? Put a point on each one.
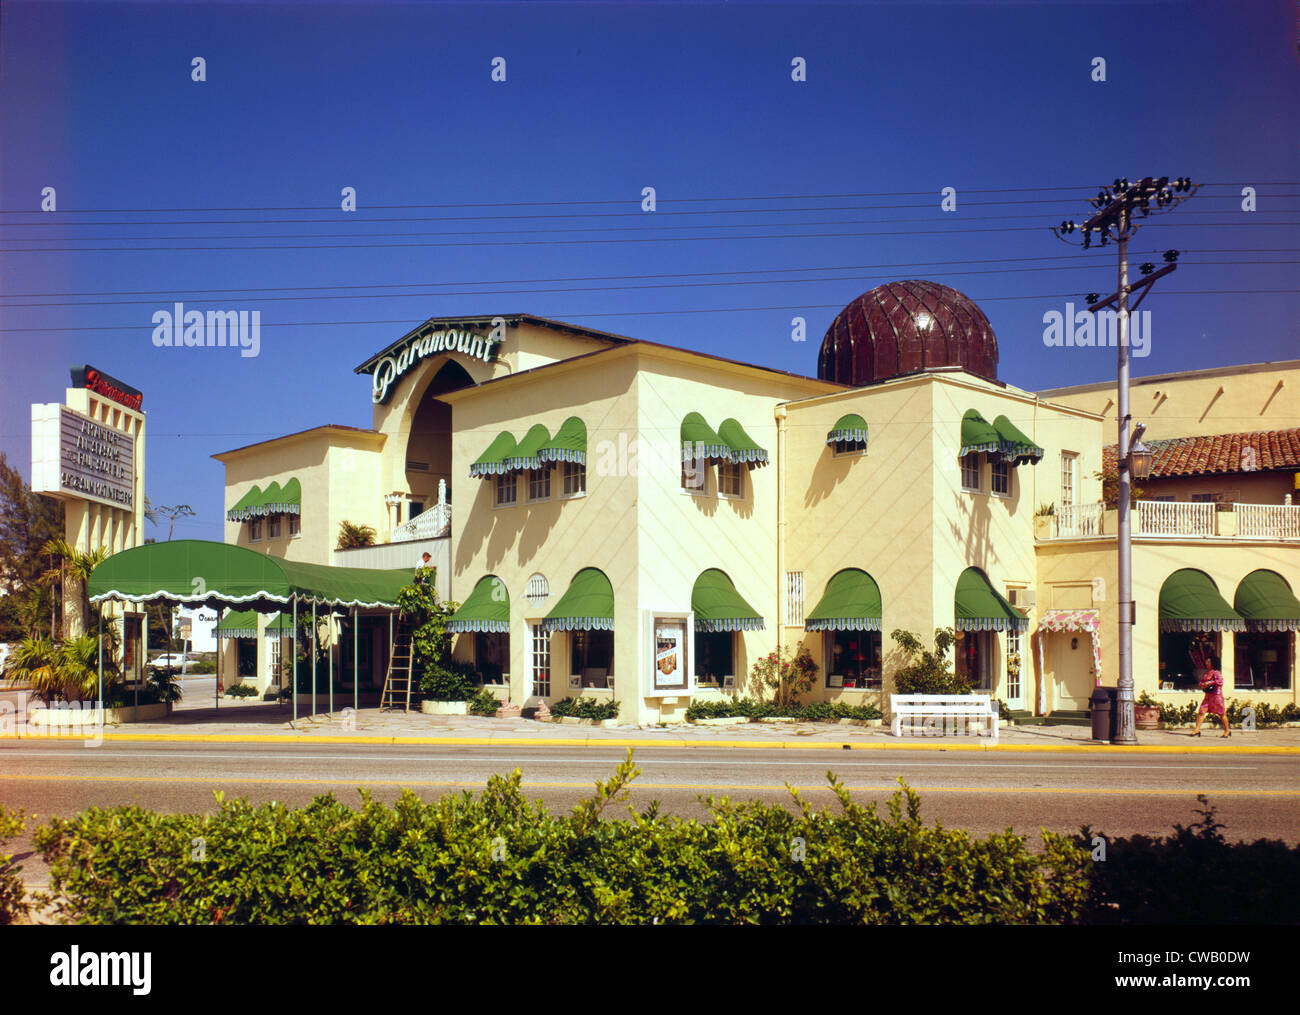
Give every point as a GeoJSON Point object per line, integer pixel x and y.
{"type": "Point", "coordinates": [1212, 684]}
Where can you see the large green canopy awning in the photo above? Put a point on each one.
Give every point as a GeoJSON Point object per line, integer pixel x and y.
{"type": "Point", "coordinates": [1189, 601]}
{"type": "Point", "coordinates": [568, 445]}
{"type": "Point", "coordinates": [1016, 448]}
{"type": "Point", "coordinates": [243, 508]}
{"type": "Point", "coordinates": [493, 461]}
{"type": "Point", "coordinates": [193, 572]}
{"type": "Point", "coordinates": [239, 624]}
{"type": "Point", "coordinates": [700, 442]}
{"type": "Point", "coordinates": [719, 607]}
{"type": "Point", "coordinates": [851, 602]}
{"type": "Point", "coordinates": [525, 455]}
{"type": "Point", "coordinates": [487, 608]}
{"type": "Point", "coordinates": [1266, 602]}
{"type": "Point", "coordinates": [744, 449]}
{"type": "Point", "coordinates": [980, 607]}
{"type": "Point", "coordinates": [587, 604]}
{"type": "Point", "coordinates": [851, 428]}
{"type": "Point", "coordinates": [978, 434]}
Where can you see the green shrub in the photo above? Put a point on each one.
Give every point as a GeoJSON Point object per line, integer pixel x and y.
{"type": "Point", "coordinates": [449, 681]}
{"type": "Point", "coordinates": [203, 666]}
{"type": "Point", "coordinates": [498, 858]}
{"type": "Point", "coordinates": [586, 708]}
{"type": "Point", "coordinates": [748, 708]}
{"type": "Point", "coordinates": [926, 672]}
{"type": "Point", "coordinates": [13, 896]}
{"type": "Point", "coordinates": [484, 703]}
{"type": "Point", "coordinates": [786, 673]}
{"type": "Point", "coordinates": [241, 691]}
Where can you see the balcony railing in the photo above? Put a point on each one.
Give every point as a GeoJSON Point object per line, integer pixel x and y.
{"type": "Point", "coordinates": [1181, 520]}
{"type": "Point", "coordinates": [431, 524]}
{"type": "Point", "coordinates": [1268, 521]}
{"type": "Point", "coordinates": [1078, 519]}
{"type": "Point", "coordinates": [1174, 518]}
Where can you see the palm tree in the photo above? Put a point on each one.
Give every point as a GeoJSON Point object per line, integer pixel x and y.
{"type": "Point", "coordinates": [75, 568]}
{"type": "Point", "coordinates": [353, 537]}
{"type": "Point", "coordinates": [67, 670]}
{"type": "Point", "coordinates": [32, 610]}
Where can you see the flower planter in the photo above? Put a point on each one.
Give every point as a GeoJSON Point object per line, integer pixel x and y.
{"type": "Point", "coordinates": [444, 707]}
{"type": "Point", "coordinates": [779, 719]}
{"type": "Point", "coordinates": [43, 718]}
{"type": "Point", "coordinates": [1146, 717]}
{"type": "Point", "coordinates": [862, 722]}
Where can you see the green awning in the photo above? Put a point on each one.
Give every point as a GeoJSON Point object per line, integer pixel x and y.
{"type": "Point", "coordinates": [493, 461]}
{"type": "Point", "coordinates": [1016, 448]}
{"type": "Point", "coordinates": [587, 604]}
{"type": "Point", "coordinates": [1267, 603]}
{"type": "Point", "coordinates": [271, 495]}
{"type": "Point", "coordinates": [978, 434]}
{"type": "Point", "coordinates": [851, 602]}
{"type": "Point", "coordinates": [1189, 601]}
{"type": "Point", "coordinates": [242, 508]}
{"type": "Point", "coordinates": [525, 454]}
{"type": "Point", "coordinates": [487, 608]}
{"type": "Point", "coordinates": [980, 607]}
{"type": "Point", "coordinates": [568, 445]}
{"type": "Point", "coordinates": [719, 607]}
{"type": "Point", "coordinates": [744, 449]}
{"type": "Point", "coordinates": [193, 572]}
{"type": "Point", "coordinates": [285, 501]}
{"type": "Point", "coordinates": [699, 442]}
{"type": "Point", "coordinates": [281, 625]}
{"type": "Point", "coordinates": [239, 624]}
{"type": "Point", "coordinates": [851, 428]}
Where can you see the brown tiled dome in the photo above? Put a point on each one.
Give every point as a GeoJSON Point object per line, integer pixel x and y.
{"type": "Point", "coordinates": [902, 327]}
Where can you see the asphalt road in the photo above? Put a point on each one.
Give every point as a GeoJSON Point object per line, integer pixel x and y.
{"type": "Point", "coordinates": [1256, 795]}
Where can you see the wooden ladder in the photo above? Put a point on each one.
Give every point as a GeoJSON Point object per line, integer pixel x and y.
{"type": "Point", "coordinates": [397, 682]}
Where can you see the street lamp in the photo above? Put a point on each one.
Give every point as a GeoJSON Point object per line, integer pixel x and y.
{"type": "Point", "coordinates": [1140, 457]}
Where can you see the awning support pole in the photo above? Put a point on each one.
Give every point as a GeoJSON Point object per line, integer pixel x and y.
{"type": "Point", "coordinates": [356, 681]}
{"type": "Point", "coordinates": [101, 659]}
{"type": "Point", "coordinates": [216, 691]}
{"type": "Point", "coordinates": [315, 645]}
{"type": "Point", "coordinates": [330, 628]}
{"type": "Point", "coordinates": [294, 635]}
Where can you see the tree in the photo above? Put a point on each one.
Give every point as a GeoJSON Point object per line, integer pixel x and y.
{"type": "Point", "coordinates": [926, 672]}
{"type": "Point", "coordinates": [170, 512]}
{"type": "Point", "coordinates": [72, 574]}
{"type": "Point", "coordinates": [354, 537]}
{"type": "Point", "coordinates": [27, 522]}
{"type": "Point", "coordinates": [787, 674]}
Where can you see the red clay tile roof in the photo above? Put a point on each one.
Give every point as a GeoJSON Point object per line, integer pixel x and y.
{"type": "Point", "coordinates": [1274, 450]}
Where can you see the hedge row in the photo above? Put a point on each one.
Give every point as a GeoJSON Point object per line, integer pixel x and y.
{"type": "Point", "coordinates": [748, 708]}
{"type": "Point", "coordinates": [497, 857]}
{"type": "Point", "coordinates": [586, 708]}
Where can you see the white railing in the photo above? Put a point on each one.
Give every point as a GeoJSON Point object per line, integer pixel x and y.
{"type": "Point", "coordinates": [432, 524]}
{"type": "Point", "coordinates": [1079, 519]}
{"type": "Point", "coordinates": [1268, 521]}
{"type": "Point", "coordinates": [1174, 518]}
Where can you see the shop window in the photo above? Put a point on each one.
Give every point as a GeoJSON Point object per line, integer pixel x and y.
{"type": "Point", "coordinates": [591, 658]}
{"type": "Point", "coordinates": [295, 525]}
{"type": "Point", "coordinates": [246, 657]}
{"type": "Point", "coordinates": [974, 659]}
{"type": "Point", "coordinates": [1013, 665]}
{"type": "Point", "coordinates": [731, 479]}
{"type": "Point", "coordinates": [539, 484]}
{"type": "Point", "coordinates": [1002, 478]}
{"type": "Point", "coordinates": [694, 475]}
{"type": "Point", "coordinates": [507, 490]}
{"type": "Point", "coordinates": [540, 650]}
{"type": "Point", "coordinates": [714, 656]}
{"type": "Point", "coordinates": [575, 479]}
{"type": "Point", "coordinates": [492, 656]}
{"type": "Point", "coordinates": [255, 530]}
{"type": "Point", "coordinates": [1176, 669]}
{"type": "Point", "coordinates": [1263, 661]}
{"type": "Point", "coordinates": [273, 527]}
{"type": "Point", "coordinates": [853, 659]}
{"type": "Point", "coordinates": [970, 472]}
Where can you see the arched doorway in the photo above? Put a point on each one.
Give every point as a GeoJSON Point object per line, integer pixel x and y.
{"type": "Point", "coordinates": [428, 443]}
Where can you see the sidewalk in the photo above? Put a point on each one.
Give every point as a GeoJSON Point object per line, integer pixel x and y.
{"type": "Point", "coordinates": [236, 723]}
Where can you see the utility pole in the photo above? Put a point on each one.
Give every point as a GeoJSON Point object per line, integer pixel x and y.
{"type": "Point", "coordinates": [1116, 207]}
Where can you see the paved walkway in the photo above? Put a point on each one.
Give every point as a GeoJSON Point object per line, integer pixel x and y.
{"type": "Point", "coordinates": [270, 723]}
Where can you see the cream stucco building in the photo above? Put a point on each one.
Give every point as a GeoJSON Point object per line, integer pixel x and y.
{"type": "Point", "coordinates": [625, 519]}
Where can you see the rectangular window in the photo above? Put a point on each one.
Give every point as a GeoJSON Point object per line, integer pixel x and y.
{"type": "Point", "coordinates": [794, 598]}
{"type": "Point", "coordinates": [731, 479]}
{"type": "Point", "coordinates": [507, 489]}
{"type": "Point", "coordinates": [853, 659]}
{"type": "Point", "coordinates": [295, 525]}
{"type": "Point", "coordinates": [1069, 476]}
{"type": "Point", "coordinates": [255, 530]}
{"type": "Point", "coordinates": [972, 659]}
{"type": "Point", "coordinates": [694, 475]}
{"type": "Point", "coordinates": [539, 484]}
{"type": "Point", "coordinates": [714, 656]}
{"type": "Point", "coordinates": [1002, 478]}
{"type": "Point", "coordinates": [273, 527]}
{"type": "Point", "coordinates": [540, 650]}
{"type": "Point", "coordinates": [970, 472]}
{"type": "Point", "coordinates": [492, 656]}
{"type": "Point", "coordinates": [1263, 660]}
{"type": "Point", "coordinates": [848, 448]}
{"type": "Point", "coordinates": [591, 657]}
{"type": "Point", "coordinates": [1013, 666]}
{"type": "Point", "coordinates": [575, 479]}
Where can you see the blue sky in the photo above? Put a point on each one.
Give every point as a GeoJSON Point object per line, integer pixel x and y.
{"type": "Point", "coordinates": [173, 190]}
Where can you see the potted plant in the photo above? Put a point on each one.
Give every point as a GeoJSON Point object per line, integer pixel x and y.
{"type": "Point", "coordinates": [1146, 712]}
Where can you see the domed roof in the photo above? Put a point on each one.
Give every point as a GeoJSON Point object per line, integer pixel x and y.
{"type": "Point", "coordinates": [902, 327]}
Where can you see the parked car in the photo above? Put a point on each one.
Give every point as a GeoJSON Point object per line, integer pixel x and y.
{"type": "Point", "coordinates": [169, 660]}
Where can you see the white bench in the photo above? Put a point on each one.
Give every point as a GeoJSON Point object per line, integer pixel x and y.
{"type": "Point", "coordinates": [943, 713]}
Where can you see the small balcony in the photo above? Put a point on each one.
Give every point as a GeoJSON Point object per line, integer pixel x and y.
{"type": "Point", "coordinates": [434, 523]}
{"type": "Point", "coordinates": [1157, 519]}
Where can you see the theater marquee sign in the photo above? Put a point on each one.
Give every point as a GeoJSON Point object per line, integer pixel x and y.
{"type": "Point", "coordinates": [392, 368]}
{"type": "Point", "coordinates": [73, 456]}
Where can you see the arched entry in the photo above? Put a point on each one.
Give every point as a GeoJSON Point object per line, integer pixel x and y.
{"type": "Point", "coordinates": [428, 440]}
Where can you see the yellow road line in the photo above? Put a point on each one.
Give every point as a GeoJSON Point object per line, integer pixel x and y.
{"type": "Point", "coordinates": [530, 784]}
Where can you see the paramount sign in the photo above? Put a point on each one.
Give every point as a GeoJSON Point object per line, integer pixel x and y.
{"type": "Point", "coordinates": [75, 457]}
{"type": "Point", "coordinates": [390, 369]}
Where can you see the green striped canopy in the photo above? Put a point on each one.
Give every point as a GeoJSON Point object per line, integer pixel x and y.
{"type": "Point", "coordinates": [195, 572]}
{"type": "Point", "coordinates": [852, 428]}
{"type": "Point", "coordinates": [719, 607]}
{"type": "Point", "coordinates": [568, 445]}
{"type": "Point", "coordinates": [1016, 448]}
{"type": "Point", "coordinates": [282, 501]}
{"type": "Point", "coordinates": [978, 434]}
{"type": "Point", "coordinates": [493, 461]}
{"type": "Point", "coordinates": [744, 449]}
{"type": "Point", "coordinates": [700, 442]}
{"type": "Point", "coordinates": [980, 607]}
{"type": "Point", "coordinates": [1189, 601]}
{"type": "Point", "coordinates": [851, 602]}
{"type": "Point", "coordinates": [525, 455]}
{"type": "Point", "coordinates": [587, 604]}
{"type": "Point", "coordinates": [239, 624]}
{"type": "Point", "coordinates": [242, 508]}
{"type": "Point", "coordinates": [281, 625]}
{"type": "Point", "coordinates": [1267, 603]}
{"type": "Point", "coordinates": [486, 609]}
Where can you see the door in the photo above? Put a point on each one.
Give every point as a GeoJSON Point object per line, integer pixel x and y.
{"type": "Point", "coordinates": [1013, 687]}
{"type": "Point", "coordinates": [1070, 653]}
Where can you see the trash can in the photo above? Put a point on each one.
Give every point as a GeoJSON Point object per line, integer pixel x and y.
{"type": "Point", "coordinates": [1104, 712]}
